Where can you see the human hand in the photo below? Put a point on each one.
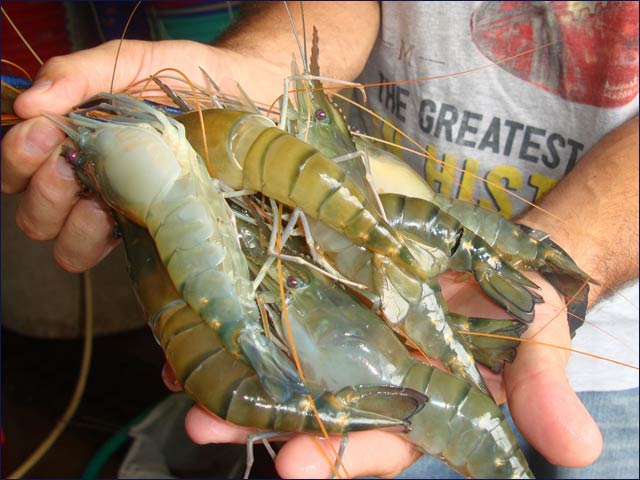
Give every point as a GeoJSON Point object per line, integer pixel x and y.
{"type": "Point", "coordinates": [300, 457]}
{"type": "Point", "coordinates": [545, 408]}
{"type": "Point", "coordinates": [50, 208]}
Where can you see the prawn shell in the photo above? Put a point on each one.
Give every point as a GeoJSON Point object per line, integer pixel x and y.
{"type": "Point", "coordinates": [229, 133]}
{"type": "Point", "coordinates": [129, 160]}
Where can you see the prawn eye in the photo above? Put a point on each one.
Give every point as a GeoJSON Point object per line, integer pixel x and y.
{"type": "Point", "coordinates": [293, 282]}
{"type": "Point", "coordinates": [320, 114]}
{"type": "Point", "coordinates": [73, 157]}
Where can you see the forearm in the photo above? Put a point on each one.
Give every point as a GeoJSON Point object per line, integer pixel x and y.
{"type": "Point", "coordinates": [595, 211]}
{"type": "Point", "coordinates": [346, 30]}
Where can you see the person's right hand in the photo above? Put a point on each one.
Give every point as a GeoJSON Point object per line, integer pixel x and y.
{"type": "Point", "coordinates": [50, 208]}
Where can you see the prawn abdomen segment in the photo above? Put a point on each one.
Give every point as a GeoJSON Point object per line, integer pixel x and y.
{"type": "Point", "coordinates": [197, 242]}
{"type": "Point", "coordinates": [229, 134]}
{"type": "Point", "coordinates": [298, 175]}
{"type": "Point", "coordinates": [464, 427]}
{"type": "Point", "coordinates": [119, 173]}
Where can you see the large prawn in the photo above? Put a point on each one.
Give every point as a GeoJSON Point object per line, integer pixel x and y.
{"type": "Point", "coordinates": [199, 358]}
{"type": "Point", "coordinates": [157, 180]}
{"type": "Point", "coordinates": [344, 341]}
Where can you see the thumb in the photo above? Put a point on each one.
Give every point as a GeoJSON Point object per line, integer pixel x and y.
{"type": "Point", "coordinates": [370, 453]}
{"type": "Point", "coordinates": [65, 81]}
{"type": "Point", "coordinates": [204, 427]}
{"type": "Point", "coordinates": [545, 408]}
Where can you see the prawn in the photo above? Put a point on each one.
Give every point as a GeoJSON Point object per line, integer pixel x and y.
{"type": "Point", "coordinates": [247, 151]}
{"type": "Point", "coordinates": [415, 308]}
{"type": "Point", "coordinates": [512, 243]}
{"type": "Point", "coordinates": [141, 165]}
{"type": "Point", "coordinates": [346, 342]}
{"type": "Point", "coordinates": [405, 166]}
{"type": "Point", "coordinates": [199, 358]}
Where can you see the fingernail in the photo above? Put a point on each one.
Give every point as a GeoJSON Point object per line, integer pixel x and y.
{"type": "Point", "coordinates": [40, 86]}
{"type": "Point", "coordinates": [41, 138]}
{"type": "Point", "coordinates": [64, 169]}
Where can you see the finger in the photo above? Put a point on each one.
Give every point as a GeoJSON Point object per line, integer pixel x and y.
{"type": "Point", "coordinates": [24, 149]}
{"type": "Point", "coordinates": [67, 80]}
{"type": "Point", "coordinates": [465, 296]}
{"type": "Point", "coordinates": [204, 427]}
{"type": "Point", "coordinates": [51, 194]}
{"type": "Point", "coordinates": [86, 237]}
{"type": "Point", "coordinates": [495, 383]}
{"type": "Point", "coordinates": [169, 378]}
{"type": "Point", "coordinates": [544, 406]}
{"type": "Point", "coordinates": [64, 82]}
{"type": "Point", "coordinates": [378, 453]}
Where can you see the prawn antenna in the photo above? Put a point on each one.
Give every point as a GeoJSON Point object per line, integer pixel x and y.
{"type": "Point", "coordinates": [126, 28]}
{"type": "Point", "coordinates": [303, 51]}
{"type": "Point", "coordinates": [304, 34]}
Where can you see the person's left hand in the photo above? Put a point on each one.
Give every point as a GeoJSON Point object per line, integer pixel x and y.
{"type": "Point", "coordinates": [545, 408]}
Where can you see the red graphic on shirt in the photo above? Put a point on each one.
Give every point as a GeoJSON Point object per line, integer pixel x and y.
{"type": "Point", "coordinates": [593, 56]}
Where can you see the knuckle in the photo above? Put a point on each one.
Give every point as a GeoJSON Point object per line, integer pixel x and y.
{"type": "Point", "coordinates": [25, 148]}
{"type": "Point", "coordinates": [9, 187]}
{"type": "Point", "coordinates": [52, 64]}
{"type": "Point", "coordinates": [8, 145]}
{"type": "Point", "coordinates": [83, 228]}
{"type": "Point", "coordinates": [32, 228]}
{"type": "Point", "coordinates": [11, 162]}
{"type": "Point", "coordinates": [49, 193]}
{"type": "Point", "coordinates": [84, 239]}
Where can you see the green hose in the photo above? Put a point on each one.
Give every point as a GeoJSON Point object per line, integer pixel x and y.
{"type": "Point", "coordinates": [102, 456]}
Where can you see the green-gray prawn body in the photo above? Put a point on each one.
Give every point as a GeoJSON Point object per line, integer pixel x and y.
{"type": "Point", "coordinates": [426, 222]}
{"type": "Point", "coordinates": [221, 384]}
{"type": "Point", "coordinates": [413, 306]}
{"type": "Point", "coordinates": [514, 245]}
{"type": "Point", "coordinates": [345, 343]}
{"type": "Point", "coordinates": [140, 175]}
{"type": "Point", "coordinates": [143, 167]}
{"type": "Point", "coordinates": [507, 239]}
{"type": "Point", "coordinates": [248, 152]}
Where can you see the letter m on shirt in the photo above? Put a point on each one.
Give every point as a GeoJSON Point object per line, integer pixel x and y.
{"type": "Point", "coordinates": [406, 53]}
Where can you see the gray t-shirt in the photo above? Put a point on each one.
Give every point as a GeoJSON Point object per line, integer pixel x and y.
{"type": "Point", "coordinates": [521, 124]}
